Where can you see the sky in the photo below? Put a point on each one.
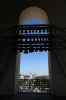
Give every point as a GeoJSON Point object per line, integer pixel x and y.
{"type": "Point", "coordinates": [36, 62]}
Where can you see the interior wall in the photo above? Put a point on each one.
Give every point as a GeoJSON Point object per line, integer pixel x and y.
{"type": "Point", "coordinates": [33, 12]}
{"type": "Point", "coordinates": [9, 15]}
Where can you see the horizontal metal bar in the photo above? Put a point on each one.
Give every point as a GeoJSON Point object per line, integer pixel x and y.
{"type": "Point", "coordinates": [35, 25]}
{"type": "Point", "coordinates": [39, 49]}
{"type": "Point", "coordinates": [33, 42]}
{"type": "Point", "coordinates": [25, 34]}
{"type": "Point", "coordinates": [31, 46]}
{"type": "Point", "coordinates": [34, 46]}
{"type": "Point", "coordinates": [31, 25]}
{"type": "Point", "coordinates": [33, 36]}
{"type": "Point", "coordinates": [35, 28]}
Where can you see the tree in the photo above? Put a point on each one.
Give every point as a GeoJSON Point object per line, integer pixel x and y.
{"type": "Point", "coordinates": [42, 82]}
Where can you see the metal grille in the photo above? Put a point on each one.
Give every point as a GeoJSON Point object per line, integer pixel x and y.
{"type": "Point", "coordinates": [29, 38]}
{"type": "Point", "coordinates": [34, 85]}
{"type": "Point", "coordinates": [33, 38]}
{"type": "Point", "coordinates": [30, 43]}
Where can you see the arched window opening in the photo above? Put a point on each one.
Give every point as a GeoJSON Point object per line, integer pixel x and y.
{"type": "Point", "coordinates": [34, 65]}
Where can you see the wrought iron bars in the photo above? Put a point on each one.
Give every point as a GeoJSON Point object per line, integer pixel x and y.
{"type": "Point", "coordinates": [40, 41]}
{"type": "Point", "coordinates": [36, 42]}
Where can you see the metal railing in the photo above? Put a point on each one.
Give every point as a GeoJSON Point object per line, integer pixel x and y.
{"type": "Point", "coordinates": [34, 85]}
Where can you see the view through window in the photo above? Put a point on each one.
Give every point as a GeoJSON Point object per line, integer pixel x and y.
{"type": "Point", "coordinates": [34, 65]}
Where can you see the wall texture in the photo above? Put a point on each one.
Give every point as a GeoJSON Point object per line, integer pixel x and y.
{"type": "Point", "coordinates": [10, 11]}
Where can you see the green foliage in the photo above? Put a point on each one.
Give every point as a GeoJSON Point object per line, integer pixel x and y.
{"type": "Point", "coordinates": [21, 81]}
{"type": "Point", "coordinates": [42, 82]}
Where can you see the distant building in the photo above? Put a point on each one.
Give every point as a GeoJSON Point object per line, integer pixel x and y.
{"type": "Point", "coordinates": [34, 76]}
{"type": "Point", "coordinates": [27, 77]}
{"type": "Point", "coordinates": [31, 76]}
{"type": "Point", "coordinates": [21, 76]}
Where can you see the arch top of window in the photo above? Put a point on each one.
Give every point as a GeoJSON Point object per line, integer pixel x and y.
{"type": "Point", "coordinates": [33, 12]}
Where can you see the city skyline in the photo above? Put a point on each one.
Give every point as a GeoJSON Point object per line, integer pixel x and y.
{"type": "Point", "coordinates": [32, 74]}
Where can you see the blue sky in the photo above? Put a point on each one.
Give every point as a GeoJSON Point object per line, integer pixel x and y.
{"type": "Point", "coordinates": [36, 62]}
